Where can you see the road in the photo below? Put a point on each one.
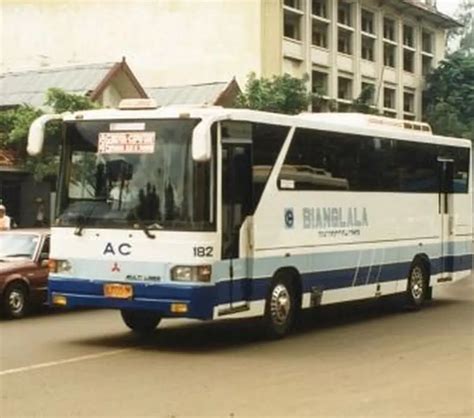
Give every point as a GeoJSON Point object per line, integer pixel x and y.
{"type": "Point", "coordinates": [359, 359]}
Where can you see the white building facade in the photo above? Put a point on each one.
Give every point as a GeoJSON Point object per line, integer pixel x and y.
{"type": "Point", "coordinates": [343, 45]}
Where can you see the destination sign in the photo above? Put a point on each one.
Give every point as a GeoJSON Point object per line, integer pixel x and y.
{"type": "Point", "coordinates": [126, 143]}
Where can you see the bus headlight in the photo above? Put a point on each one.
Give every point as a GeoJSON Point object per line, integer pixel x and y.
{"type": "Point", "coordinates": [59, 266]}
{"type": "Point", "coordinates": [191, 273]}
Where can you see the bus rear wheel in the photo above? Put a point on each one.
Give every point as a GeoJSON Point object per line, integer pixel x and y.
{"type": "Point", "coordinates": [280, 307]}
{"type": "Point", "coordinates": [141, 322]}
{"type": "Point", "coordinates": [418, 290]}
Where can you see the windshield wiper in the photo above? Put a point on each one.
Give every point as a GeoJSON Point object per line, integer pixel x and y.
{"type": "Point", "coordinates": [16, 255]}
{"type": "Point", "coordinates": [143, 227]}
{"type": "Point", "coordinates": [82, 221]}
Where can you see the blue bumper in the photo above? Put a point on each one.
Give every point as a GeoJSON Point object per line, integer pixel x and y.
{"type": "Point", "coordinates": [153, 297]}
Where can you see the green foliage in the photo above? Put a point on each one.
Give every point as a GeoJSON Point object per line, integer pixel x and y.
{"type": "Point", "coordinates": [279, 94]}
{"type": "Point", "coordinates": [61, 102]}
{"type": "Point", "coordinates": [449, 97]}
{"type": "Point", "coordinates": [15, 124]}
{"type": "Point", "coordinates": [465, 34]}
{"type": "Point", "coordinates": [365, 101]}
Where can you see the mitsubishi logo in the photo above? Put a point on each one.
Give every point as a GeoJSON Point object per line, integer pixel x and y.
{"type": "Point", "coordinates": [115, 268]}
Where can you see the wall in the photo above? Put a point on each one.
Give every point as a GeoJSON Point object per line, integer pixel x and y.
{"type": "Point", "coordinates": [166, 42]}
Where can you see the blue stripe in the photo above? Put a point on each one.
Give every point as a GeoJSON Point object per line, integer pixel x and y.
{"type": "Point", "coordinates": [202, 299]}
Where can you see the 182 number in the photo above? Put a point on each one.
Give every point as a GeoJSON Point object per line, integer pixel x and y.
{"type": "Point", "coordinates": [203, 251]}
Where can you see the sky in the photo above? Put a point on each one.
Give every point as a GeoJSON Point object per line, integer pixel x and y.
{"type": "Point", "coordinates": [448, 6]}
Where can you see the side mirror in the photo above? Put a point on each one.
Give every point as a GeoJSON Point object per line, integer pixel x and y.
{"type": "Point", "coordinates": [201, 141]}
{"type": "Point", "coordinates": [44, 263]}
{"type": "Point", "coordinates": [36, 133]}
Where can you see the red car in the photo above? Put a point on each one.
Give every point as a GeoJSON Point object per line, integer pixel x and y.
{"type": "Point", "coordinates": [23, 270]}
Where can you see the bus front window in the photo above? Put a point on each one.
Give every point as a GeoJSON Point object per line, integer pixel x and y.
{"type": "Point", "coordinates": [120, 174]}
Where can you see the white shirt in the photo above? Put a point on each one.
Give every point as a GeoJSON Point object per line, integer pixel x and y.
{"type": "Point", "coordinates": [5, 223]}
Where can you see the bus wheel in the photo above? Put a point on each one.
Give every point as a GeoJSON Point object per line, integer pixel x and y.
{"type": "Point", "coordinates": [141, 322]}
{"type": "Point", "coordinates": [417, 289]}
{"type": "Point", "coordinates": [280, 307]}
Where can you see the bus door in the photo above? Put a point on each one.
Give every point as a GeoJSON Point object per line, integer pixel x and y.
{"type": "Point", "coordinates": [446, 212]}
{"type": "Point", "coordinates": [236, 206]}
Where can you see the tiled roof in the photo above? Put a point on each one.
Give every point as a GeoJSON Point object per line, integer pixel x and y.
{"type": "Point", "coordinates": [29, 87]}
{"type": "Point", "coordinates": [198, 94]}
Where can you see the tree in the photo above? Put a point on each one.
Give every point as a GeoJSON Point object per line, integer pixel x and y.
{"type": "Point", "coordinates": [449, 97]}
{"type": "Point", "coordinates": [279, 94]}
{"type": "Point", "coordinates": [15, 124]}
{"type": "Point", "coordinates": [464, 36]}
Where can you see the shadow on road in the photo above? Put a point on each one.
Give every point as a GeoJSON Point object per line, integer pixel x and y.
{"type": "Point", "coordinates": [214, 336]}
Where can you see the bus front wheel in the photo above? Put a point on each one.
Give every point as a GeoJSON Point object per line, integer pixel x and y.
{"type": "Point", "coordinates": [141, 322]}
{"type": "Point", "coordinates": [280, 307]}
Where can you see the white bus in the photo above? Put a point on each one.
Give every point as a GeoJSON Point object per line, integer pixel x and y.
{"type": "Point", "coordinates": [206, 212]}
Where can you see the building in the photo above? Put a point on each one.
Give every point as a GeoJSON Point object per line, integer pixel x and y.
{"type": "Point", "coordinates": [349, 45]}
{"type": "Point", "coordinates": [207, 94]}
{"type": "Point", "coordinates": [344, 45]}
{"type": "Point", "coordinates": [105, 84]}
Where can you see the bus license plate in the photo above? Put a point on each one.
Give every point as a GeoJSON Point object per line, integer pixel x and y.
{"type": "Point", "coordinates": [119, 291]}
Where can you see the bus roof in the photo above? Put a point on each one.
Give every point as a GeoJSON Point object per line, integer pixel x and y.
{"type": "Point", "coordinates": [351, 123]}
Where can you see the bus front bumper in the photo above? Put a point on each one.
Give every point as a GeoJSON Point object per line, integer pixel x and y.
{"type": "Point", "coordinates": [188, 301]}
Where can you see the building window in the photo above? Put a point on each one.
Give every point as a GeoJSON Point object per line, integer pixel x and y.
{"type": "Point", "coordinates": [368, 47]}
{"type": "Point", "coordinates": [389, 29]}
{"type": "Point", "coordinates": [368, 22]}
{"type": "Point", "coordinates": [427, 65]}
{"type": "Point", "coordinates": [320, 34]}
{"type": "Point", "coordinates": [368, 90]}
{"type": "Point", "coordinates": [409, 102]}
{"type": "Point", "coordinates": [344, 88]}
{"type": "Point", "coordinates": [409, 61]}
{"type": "Point", "coordinates": [292, 25]}
{"type": "Point", "coordinates": [389, 54]}
{"type": "Point", "coordinates": [388, 98]}
{"type": "Point", "coordinates": [344, 13]}
{"type": "Point", "coordinates": [427, 42]}
{"type": "Point", "coordinates": [320, 8]}
{"type": "Point", "coordinates": [408, 36]}
{"type": "Point", "coordinates": [295, 4]}
{"type": "Point", "coordinates": [344, 41]}
{"type": "Point", "coordinates": [320, 83]}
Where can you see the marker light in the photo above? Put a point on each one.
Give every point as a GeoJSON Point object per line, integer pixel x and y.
{"type": "Point", "coordinates": [59, 300]}
{"type": "Point", "coordinates": [191, 273]}
{"type": "Point", "coordinates": [179, 308]}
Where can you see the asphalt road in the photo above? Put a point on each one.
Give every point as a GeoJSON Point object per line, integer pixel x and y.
{"type": "Point", "coordinates": [359, 359]}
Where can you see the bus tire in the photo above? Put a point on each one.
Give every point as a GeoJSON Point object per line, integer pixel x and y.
{"type": "Point", "coordinates": [418, 287]}
{"type": "Point", "coordinates": [15, 300]}
{"type": "Point", "coordinates": [280, 307]}
{"type": "Point", "coordinates": [140, 322]}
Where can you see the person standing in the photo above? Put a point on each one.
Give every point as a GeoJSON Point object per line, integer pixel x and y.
{"type": "Point", "coordinates": [5, 222]}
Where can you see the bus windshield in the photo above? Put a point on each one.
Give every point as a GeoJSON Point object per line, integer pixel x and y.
{"type": "Point", "coordinates": [123, 174]}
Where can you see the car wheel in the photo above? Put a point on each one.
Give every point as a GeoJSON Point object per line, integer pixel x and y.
{"type": "Point", "coordinates": [15, 300]}
{"type": "Point", "coordinates": [280, 308]}
{"type": "Point", "coordinates": [417, 290]}
{"type": "Point", "coordinates": [141, 322]}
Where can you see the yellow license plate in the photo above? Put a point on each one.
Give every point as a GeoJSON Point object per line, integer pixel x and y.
{"type": "Point", "coordinates": [119, 291]}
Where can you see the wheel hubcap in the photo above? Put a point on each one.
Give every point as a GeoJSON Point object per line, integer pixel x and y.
{"type": "Point", "coordinates": [280, 304]}
{"type": "Point", "coordinates": [16, 300]}
{"type": "Point", "coordinates": [416, 281]}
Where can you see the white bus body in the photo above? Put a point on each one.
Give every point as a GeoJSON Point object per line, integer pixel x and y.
{"type": "Point", "coordinates": [282, 228]}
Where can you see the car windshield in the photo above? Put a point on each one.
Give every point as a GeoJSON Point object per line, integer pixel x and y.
{"type": "Point", "coordinates": [130, 174]}
{"type": "Point", "coordinates": [17, 245]}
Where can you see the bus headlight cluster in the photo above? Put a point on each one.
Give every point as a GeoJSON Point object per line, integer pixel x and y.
{"type": "Point", "coordinates": [59, 266]}
{"type": "Point", "coordinates": [191, 273]}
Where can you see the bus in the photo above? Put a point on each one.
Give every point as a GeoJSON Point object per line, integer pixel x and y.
{"type": "Point", "coordinates": [208, 212]}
